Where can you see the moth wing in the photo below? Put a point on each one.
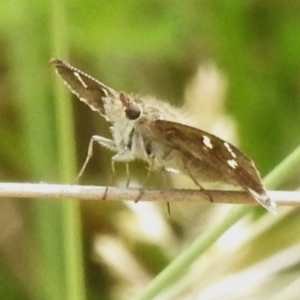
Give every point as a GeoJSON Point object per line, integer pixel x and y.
{"type": "Point", "coordinates": [226, 158]}
{"type": "Point", "coordinates": [85, 87]}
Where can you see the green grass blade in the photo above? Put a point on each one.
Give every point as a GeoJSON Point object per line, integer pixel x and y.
{"type": "Point", "coordinates": [66, 145]}
{"type": "Point", "coordinates": [181, 263]}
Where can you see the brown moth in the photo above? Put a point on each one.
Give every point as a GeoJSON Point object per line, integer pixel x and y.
{"type": "Point", "coordinates": [157, 133]}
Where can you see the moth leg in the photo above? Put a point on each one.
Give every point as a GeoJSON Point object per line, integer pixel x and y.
{"type": "Point", "coordinates": [164, 175]}
{"type": "Point", "coordinates": [169, 209]}
{"type": "Point", "coordinates": [124, 155]}
{"type": "Point", "coordinates": [107, 143]}
{"type": "Point", "coordinates": [127, 175]}
{"type": "Point", "coordinates": [164, 179]}
{"type": "Point", "coordinates": [142, 189]}
{"type": "Point", "coordinates": [200, 187]}
{"type": "Point", "coordinates": [102, 141]}
{"type": "Point", "coordinates": [112, 172]}
{"type": "Point", "coordinates": [173, 155]}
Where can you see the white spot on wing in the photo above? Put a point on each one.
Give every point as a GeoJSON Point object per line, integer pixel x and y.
{"type": "Point", "coordinates": [105, 92]}
{"type": "Point", "coordinates": [171, 170]}
{"type": "Point", "coordinates": [227, 146]}
{"type": "Point", "coordinates": [207, 142]}
{"type": "Point", "coordinates": [232, 163]}
{"type": "Point", "coordinates": [76, 74]}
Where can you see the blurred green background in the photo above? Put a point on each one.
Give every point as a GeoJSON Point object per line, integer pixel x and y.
{"type": "Point", "coordinates": [233, 65]}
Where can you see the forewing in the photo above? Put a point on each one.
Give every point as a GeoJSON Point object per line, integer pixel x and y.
{"type": "Point", "coordinates": [84, 86]}
{"type": "Point", "coordinates": [226, 158]}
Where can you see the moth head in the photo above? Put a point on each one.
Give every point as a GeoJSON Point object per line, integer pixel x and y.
{"type": "Point", "coordinates": [132, 110]}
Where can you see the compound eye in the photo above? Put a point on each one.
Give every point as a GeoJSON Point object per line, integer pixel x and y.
{"type": "Point", "coordinates": [132, 110]}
